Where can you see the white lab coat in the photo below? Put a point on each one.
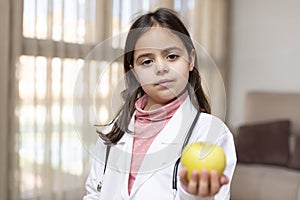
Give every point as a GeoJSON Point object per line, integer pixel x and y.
{"type": "Point", "coordinates": [154, 181]}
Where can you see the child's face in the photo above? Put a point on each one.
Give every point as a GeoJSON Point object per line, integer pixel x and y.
{"type": "Point", "coordinates": [162, 65]}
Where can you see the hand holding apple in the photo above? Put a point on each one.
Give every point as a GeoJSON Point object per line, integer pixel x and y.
{"type": "Point", "coordinates": [203, 155]}
{"type": "Point", "coordinates": [203, 166]}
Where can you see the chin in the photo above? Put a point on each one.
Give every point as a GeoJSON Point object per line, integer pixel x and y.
{"type": "Point", "coordinates": [167, 99]}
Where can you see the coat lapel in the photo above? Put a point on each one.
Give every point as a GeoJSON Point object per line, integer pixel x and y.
{"type": "Point", "coordinates": [124, 157]}
{"type": "Point", "coordinates": [166, 147]}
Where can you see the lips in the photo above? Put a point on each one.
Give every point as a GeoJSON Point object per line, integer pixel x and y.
{"type": "Point", "coordinates": [164, 82]}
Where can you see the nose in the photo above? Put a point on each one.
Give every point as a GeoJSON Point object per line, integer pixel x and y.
{"type": "Point", "coordinates": [161, 67]}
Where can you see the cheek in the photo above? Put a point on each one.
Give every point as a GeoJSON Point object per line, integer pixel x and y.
{"type": "Point", "coordinates": [144, 76]}
{"type": "Point", "coordinates": [183, 74]}
{"type": "Point", "coordinates": [147, 89]}
{"type": "Point", "coordinates": [182, 80]}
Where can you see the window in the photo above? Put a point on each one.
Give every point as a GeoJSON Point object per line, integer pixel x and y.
{"type": "Point", "coordinates": [52, 163]}
{"type": "Point", "coordinates": [52, 142]}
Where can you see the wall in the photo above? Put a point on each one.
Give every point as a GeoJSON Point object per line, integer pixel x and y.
{"type": "Point", "coordinates": [264, 51]}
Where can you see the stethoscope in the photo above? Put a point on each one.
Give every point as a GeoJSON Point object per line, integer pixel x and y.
{"type": "Point", "coordinates": [175, 170]}
{"type": "Point", "coordinates": [186, 140]}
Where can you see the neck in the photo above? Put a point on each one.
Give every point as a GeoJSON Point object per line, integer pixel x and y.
{"type": "Point", "coordinates": [152, 105]}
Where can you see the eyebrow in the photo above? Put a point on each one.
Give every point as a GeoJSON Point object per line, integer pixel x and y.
{"type": "Point", "coordinates": [172, 49]}
{"type": "Point", "coordinates": [164, 50]}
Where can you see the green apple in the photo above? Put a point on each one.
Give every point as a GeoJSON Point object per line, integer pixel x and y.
{"type": "Point", "coordinates": [203, 155]}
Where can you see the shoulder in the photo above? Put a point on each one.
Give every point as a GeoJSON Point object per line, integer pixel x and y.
{"type": "Point", "coordinates": [211, 128]}
{"type": "Point", "coordinates": [99, 150]}
{"type": "Point", "coordinates": [211, 121]}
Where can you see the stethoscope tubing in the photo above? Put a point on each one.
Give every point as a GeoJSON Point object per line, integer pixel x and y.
{"type": "Point", "coordinates": [175, 170]}
{"type": "Point", "coordinates": [186, 140]}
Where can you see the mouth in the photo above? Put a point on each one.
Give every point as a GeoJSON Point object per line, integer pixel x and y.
{"type": "Point", "coordinates": [164, 82]}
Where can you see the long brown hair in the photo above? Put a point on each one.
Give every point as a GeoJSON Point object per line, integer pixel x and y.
{"type": "Point", "coordinates": [164, 18]}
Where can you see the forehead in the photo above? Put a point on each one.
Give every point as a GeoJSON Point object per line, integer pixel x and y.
{"type": "Point", "coordinates": [158, 38]}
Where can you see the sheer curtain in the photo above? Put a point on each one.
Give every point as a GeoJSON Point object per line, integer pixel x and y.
{"type": "Point", "coordinates": [51, 44]}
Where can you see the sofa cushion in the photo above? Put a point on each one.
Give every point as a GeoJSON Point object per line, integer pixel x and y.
{"type": "Point", "coordinates": [264, 143]}
{"type": "Point", "coordinates": [295, 157]}
{"type": "Point", "coordinates": [260, 182]}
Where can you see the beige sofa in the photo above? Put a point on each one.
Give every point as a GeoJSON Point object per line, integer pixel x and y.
{"type": "Point", "coordinates": [268, 177]}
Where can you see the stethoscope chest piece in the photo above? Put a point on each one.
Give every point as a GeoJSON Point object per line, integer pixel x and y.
{"type": "Point", "coordinates": [99, 186]}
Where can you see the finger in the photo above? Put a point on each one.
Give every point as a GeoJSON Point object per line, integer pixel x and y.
{"type": "Point", "coordinates": [214, 183]}
{"type": "Point", "coordinates": [193, 183]}
{"type": "Point", "coordinates": [203, 189]}
{"type": "Point", "coordinates": [183, 178]}
{"type": "Point", "coordinates": [224, 180]}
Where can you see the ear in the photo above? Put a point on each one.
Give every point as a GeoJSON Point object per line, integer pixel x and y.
{"type": "Point", "coordinates": [192, 57]}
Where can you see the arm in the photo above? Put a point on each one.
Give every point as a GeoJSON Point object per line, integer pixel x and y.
{"type": "Point", "coordinates": [92, 183]}
{"type": "Point", "coordinates": [95, 175]}
{"type": "Point", "coordinates": [210, 184]}
{"type": "Point", "coordinates": [227, 143]}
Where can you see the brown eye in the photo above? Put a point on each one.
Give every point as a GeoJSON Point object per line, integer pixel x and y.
{"type": "Point", "coordinates": [147, 62]}
{"type": "Point", "coordinates": [172, 57]}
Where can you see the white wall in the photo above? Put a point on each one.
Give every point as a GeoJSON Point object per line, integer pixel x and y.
{"type": "Point", "coordinates": [265, 51]}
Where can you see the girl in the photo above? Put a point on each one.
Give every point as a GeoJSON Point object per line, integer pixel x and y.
{"type": "Point", "coordinates": [138, 154]}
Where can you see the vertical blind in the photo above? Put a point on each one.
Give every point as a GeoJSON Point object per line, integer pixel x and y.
{"type": "Point", "coordinates": [57, 36]}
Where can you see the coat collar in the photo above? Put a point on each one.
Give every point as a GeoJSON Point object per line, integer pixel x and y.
{"type": "Point", "coordinates": [180, 120]}
{"type": "Point", "coordinates": [164, 150]}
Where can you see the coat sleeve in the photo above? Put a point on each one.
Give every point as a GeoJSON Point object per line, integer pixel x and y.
{"type": "Point", "coordinates": [227, 143]}
{"type": "Point", "coordinates": [95, 174]}
{"type": "Point", "coordinates": [92, 183]}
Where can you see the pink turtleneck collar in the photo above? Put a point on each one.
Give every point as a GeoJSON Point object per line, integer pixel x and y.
{"type": "Point", "coordinates": [146, 127]}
